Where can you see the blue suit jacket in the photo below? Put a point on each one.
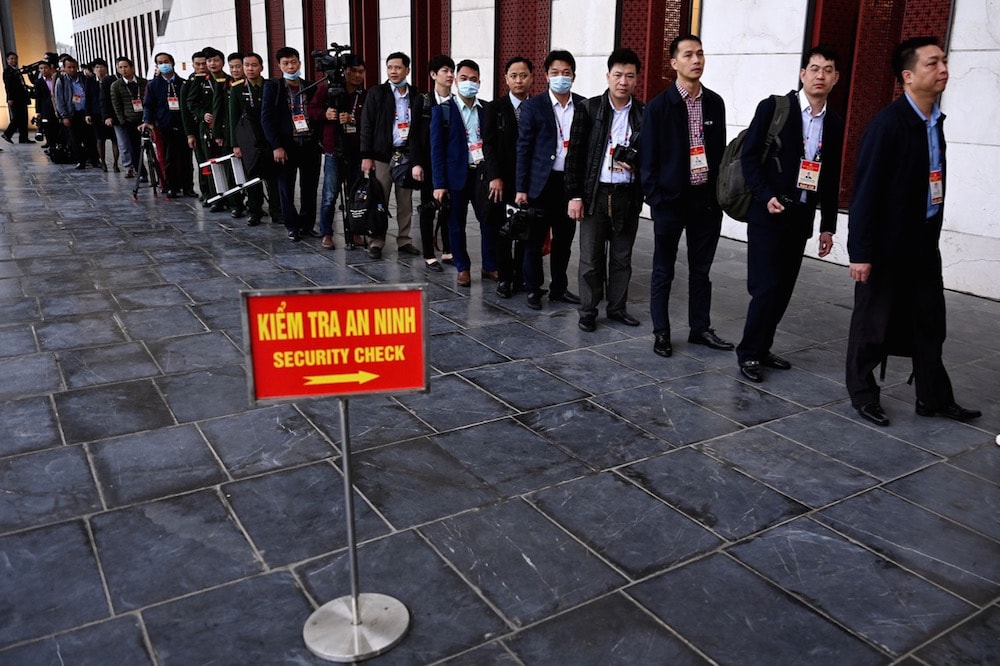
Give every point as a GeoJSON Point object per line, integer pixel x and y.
{"type": "Point", "coordinates": [536, 143]}
{"type": "Point", "coordinates": [450, 148]}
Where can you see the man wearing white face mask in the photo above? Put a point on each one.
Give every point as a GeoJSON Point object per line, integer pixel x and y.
{"type": "Point", "coordinates": [543, 141]}
{"type": "Point", "coordinates": [459, 170]}
{"type": "Point", "coordinates": [161, 108]}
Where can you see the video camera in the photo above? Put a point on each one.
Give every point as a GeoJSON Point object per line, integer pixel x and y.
{"type": "Point", "coordinates": [518, 221]}
{"type": "Point", "coordinates": [333, 62]}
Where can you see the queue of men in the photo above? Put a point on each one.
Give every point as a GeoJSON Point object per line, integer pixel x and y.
{"type": "Point", "coordinates": [540, 171]}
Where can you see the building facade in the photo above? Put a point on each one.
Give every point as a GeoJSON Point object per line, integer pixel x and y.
{"type": "Point", "coordinates": [753, 49]}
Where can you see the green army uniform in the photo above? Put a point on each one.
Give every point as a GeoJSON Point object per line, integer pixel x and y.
{"type": "Point", "coordinates": [245, 100]}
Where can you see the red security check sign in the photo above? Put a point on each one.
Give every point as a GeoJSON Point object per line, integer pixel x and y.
{"type": "Point", "coordinates": [335, 341]}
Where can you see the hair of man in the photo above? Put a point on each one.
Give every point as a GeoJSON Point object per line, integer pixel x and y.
{"type": "Point", "coordinates": [439, 61]}
{"type": "Point", "coordinates": [904, 56]}
{"type": "Point", "coordinates": [624, 57]}
{"type": "Point", "coordinates": [676, 42]}
{"type": "Point", "coordinates": [398, 55]}
{"type": "Point", "coordinates": [516, 59]}
{"type": "Point", "coordinates": [560, 55]}
{"type": "Point", "coordinates": [471, 64]}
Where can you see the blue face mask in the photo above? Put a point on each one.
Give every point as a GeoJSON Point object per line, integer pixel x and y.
{"type": "Point", "coordinates": [468, 89]}
{"type": "Point", "coordinates": [400, 85]}
{"type": "Point", "coordinates": [291, 77]}
{"type": "Point", "coordinates": [560, 84]}
{"type": "Point", "coordinates": [165, 68]}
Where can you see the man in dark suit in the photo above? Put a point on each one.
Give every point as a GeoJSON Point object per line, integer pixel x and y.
{"type": "Point", "coordinates": [78, 101]}
{"type": "Point", "coordinates": [44, 90]}
{"type": "Point", "coordinates": [684, 130]}
{"type": "Point", "coordinates": [459, 169]}
{"type": "Point", "coordinates": [801, 169]}
{"type": "Point", "coordinates": [385, 141]}
{"type": "Point", "coordinates": [895, 227]}
{"type": "Point", "coordinates": [294, 145]}
{"type": "Point", "coordinates": [500, 132]}
{"type": "Point", "coordinates": [441, 70]}
{"type": "Point", "coordinates": [604, 193]}
{"type": "Point", "coordinates": [17, 99]}
{"type": "Point", "coordinates": [543, 141]}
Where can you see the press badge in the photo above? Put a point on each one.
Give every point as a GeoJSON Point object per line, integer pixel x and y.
{"type": "Point", "coordinates": [137, 105]}
{"type": "Point", "coordinates": [300, 123]}
{"type": "Point", "coordinates": [937, 188]}
{"type": "Point", "coordinates": [173, 104]}
{"type": "Point", "coordinates": [476, 152]}
{"type": "Point", "coordinates": [699, 161]}
{"type": "Point", "coordinates": [808, 175]}
{"type": "Point", "coordinates": [77, 99]}
{"type": "Point", "coordinates": [350, 128]}
{"type": "Point", "coordinates": [404, 130]}
{"type": "Point", "coordinates": [613, 166]}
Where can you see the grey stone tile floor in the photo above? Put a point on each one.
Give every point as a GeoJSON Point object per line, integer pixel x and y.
{"type": "Point", "coordinates": [557, 497]}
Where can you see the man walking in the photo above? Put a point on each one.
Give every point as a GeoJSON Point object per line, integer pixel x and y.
{"type": "Point", "coordinates": [685, 136]}
{"type": "Point", "coordinates": [17, 99]}
{"type": "Point", "coordinates": [894, 233]}
{"type": "Point", "coordinates": [800, 170]}
{"type": "Point", "coordinates": [604, 193]}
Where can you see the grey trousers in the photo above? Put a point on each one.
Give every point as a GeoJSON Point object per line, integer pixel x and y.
{"type": "Point", "coordinates": [606, 240]}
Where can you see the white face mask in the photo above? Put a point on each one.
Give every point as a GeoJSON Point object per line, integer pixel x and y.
{"type": "Point", "coordinates": [560, 84]}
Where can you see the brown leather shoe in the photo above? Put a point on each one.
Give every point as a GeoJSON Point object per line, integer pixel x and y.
{"type": "Point", "coordinates": [491, 275]}
{"type": "Point", "coordinates": [328, 242]}
{"type": "Point", "coordinates": [464, 279]}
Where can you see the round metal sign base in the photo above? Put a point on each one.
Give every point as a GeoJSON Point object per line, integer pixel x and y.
{"type": "Point", "coordinates": [330, 633]}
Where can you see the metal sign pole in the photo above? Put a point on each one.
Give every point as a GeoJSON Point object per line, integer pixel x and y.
{"type": "Point", "coordinates": [359, 626]}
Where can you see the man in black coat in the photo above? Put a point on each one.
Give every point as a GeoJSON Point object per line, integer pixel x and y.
{"type": "Point", "coordinates": [800, 170]}
{"type": "Point", "coordinates": [684, 136]}
{"type": "Point", "coordinates": [604, 193]}
{"type": "Point", "coordinates": [544, 129]}
{"type": "Point", "coordinates": [18, 99]}
{"type": "Point", "coordinates": [500, 132]}
{"type": "Point", "coordinates": [895, 227]}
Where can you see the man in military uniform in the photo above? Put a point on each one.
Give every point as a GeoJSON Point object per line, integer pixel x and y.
{"type": "Point", "coordinates": [246, 137]}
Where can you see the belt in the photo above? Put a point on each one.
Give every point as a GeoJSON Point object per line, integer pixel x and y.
{"type": "Point", "coordinates": [616, 188]}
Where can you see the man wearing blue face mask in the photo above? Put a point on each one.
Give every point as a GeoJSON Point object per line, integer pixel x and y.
{"type": "Point", "coordinates": [545, 124]}
{"type": "Point", "coordinates": [295, 146]}
{"type": "Point", "coordinates": [459, 169]}
{"type": "Point", "coordinates": [161, 109]}
{"type": "Point", "coordinates": [385, 141]}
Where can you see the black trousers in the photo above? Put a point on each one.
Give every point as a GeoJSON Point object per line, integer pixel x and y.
{"type": "Point", "coordinates": [429, 215]}
{"type": "Point", "coordinates": [553, 201]}
{"type": "Point", "coordinates": [81, 138]}
{"type": "Point", "coordinates": [775, 244]}
{"type": "Point", "coordinates": [509, 253]}
{"type": "Point", "coordinates": [18, 121]}
{"type": "Point", "coordinates": [176, 160]}
{"type": "Point", "coordinates": [606, 240]}
{"type": "Point", "coordinates": [303, 160]}
{"type": "Point", "coordinates": [695, 215]}
{"type": "Point", "coordinates": [900, 311]}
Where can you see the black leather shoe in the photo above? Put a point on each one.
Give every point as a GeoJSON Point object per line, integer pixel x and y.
{"type": "Point", "coordinates": [253, 220]}
{"type": "Point", "coordinates": [375, 252]}
{"type": "Point", "coordinates": [873, 412]}
{"type": "Point", "coordinates": [952, 411]}
{"type": "Point", "coordinates": [217, 207]}
{"type": "Point", "coordinates": [773, 361]}
{"type": "Point", "coordinates": [624, 318]}
{"type": "Point", "coordinates": [535, 300]}
{"type": "Point", "coordinates": [434, 266]}
{"type": "Point", "coordinates": [710, 339]}
{"type": "Point", "coordinates": [751, 370]}
{"type": "Point", "coordinates": [293, 236]}
{"type": "Point", "coordinates": [588, 323]}
{"type": "Point", "coordinates": [190, 193]}
{"type": "Point", "coordinates": [237, 213]}
{"type": "Point", "coordinates": [504, 290]}
{"type": "Point", "coordinates": [661, 345]}
{"type": "Point", "coordinates": [410, 249]}
{"type": "Point", "coordinates": [566, 297]}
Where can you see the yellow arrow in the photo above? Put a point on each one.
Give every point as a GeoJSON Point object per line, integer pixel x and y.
{"type": "Point", "coordinates": [360, 377]}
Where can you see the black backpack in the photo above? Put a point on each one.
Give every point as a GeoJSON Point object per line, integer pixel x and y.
{"type": "Point", "coordinates": [367, 212]}
{"type": "Point", "coordinates": [731, 188]}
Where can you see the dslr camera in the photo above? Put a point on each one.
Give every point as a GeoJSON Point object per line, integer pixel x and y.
{"type": "Point", "coordinates": [434, 205]}
{"type": "Point", "coordinates": [518, 221]}
{"type": "Point", "coordinates": [626, 155]}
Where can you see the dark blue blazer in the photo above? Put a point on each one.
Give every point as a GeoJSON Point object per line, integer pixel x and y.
{"type": "Point", "coordinates": [536, 143]}
{"type": "Point", "coordinates": [276, 117]}
{"type": "Point", "coordinates": [665, 159]}
{"type": "Point", "coordinates": [450, 148]}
